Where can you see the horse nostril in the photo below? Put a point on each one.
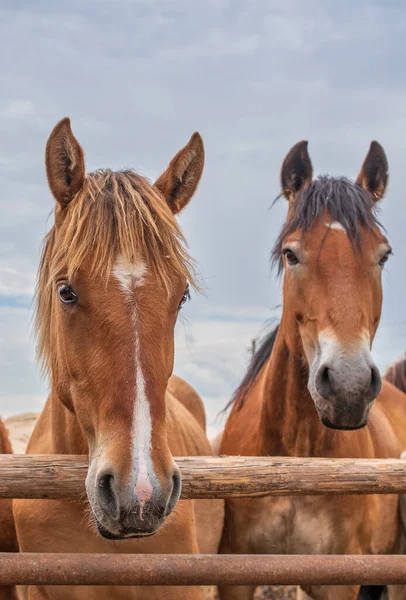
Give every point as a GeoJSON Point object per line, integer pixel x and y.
{"type": "Point", "coordinates": [324, 385]}
{"type": "Point", "coordinates": [177, 482]}
{"type": "Point", "coordinates": [105, 491]}
{"type": "Point", "coordinates": [176, 487]}
{"type": "Point", "coordinates": [376, 383]}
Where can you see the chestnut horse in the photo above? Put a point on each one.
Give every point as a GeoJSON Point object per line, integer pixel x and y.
{"type": "Point", "coordinates": [8, 538]}
{"type": "Point", "coordinates": [113, 277]}
{"type": "Point", "coordinates": [312, 383]}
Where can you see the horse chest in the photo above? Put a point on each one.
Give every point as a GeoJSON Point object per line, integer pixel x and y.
{"type": "Point", "coordinates": [294, 526]}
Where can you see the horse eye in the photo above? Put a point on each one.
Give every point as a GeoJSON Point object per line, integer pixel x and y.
{"type": "Point", "coordinates": [385, 258]}
{"type": "Point", "coordinates": [290, 256]}
{"type": "Point", "coordinates": [184, 299]}
{"type": "Point", "coordinates": [66, 294]}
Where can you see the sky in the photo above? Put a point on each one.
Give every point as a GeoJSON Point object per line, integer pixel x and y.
{"type": "Point", "coordinates": [253, 77]}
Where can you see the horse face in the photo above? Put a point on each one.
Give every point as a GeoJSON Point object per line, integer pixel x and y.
{"type": "Point", "coordinates": [333, 298]}
{"type": "Point", "coordinates": [118, 348]}
{"type": "Point", "coordinates": [111, 344]}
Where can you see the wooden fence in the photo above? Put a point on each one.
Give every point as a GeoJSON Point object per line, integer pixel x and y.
{"type": "Point", "coordinates": [51, 477]}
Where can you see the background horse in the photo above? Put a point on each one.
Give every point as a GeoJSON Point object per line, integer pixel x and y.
{"type": "Point", "coordinates": [396, 374]}
{"type": "Point", "coordinates": [113, 277]}
{"type": "Point", "coordinates": [8, 538]}
{"type": "Point", "coordinates": [311, 385]}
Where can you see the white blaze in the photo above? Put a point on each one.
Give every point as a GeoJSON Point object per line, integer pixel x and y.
{"type": "Point", "coordinates": [335, 225]}
{"type": "Point", "coordinates": [331, 348]}
{"type": "Point", "coordinates": [141, 434]}
{"type": "Point", "coordinates": [131, 276]}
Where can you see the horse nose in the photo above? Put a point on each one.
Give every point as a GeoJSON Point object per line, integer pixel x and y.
{"type": "Point", "coordinates": [362, 383]}
{"type": "Point", "coordinates": [135, 509]}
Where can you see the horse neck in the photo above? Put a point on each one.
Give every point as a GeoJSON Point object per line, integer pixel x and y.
{"type": "Point", "coordinates": [67, 437]}
{"type": "Point", "coordinates": [289, 424]}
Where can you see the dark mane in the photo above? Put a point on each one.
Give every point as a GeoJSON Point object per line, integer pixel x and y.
{"type": "Point", "coordinates": [257, 362]}
{"type": "Point", "coordinates": [396, 374]}
{"type": "Point", "coordinates": [345, 202]}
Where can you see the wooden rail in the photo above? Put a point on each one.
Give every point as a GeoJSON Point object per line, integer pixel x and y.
{"type": "Point", "coordinates": [24, 476]}
{"type": "Point", "coordinates": [203, 569]}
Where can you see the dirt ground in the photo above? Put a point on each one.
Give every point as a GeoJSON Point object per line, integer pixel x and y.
{"type": "Point", "coordinates": [20, 427]}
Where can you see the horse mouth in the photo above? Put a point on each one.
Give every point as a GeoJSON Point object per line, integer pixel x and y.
{"type": "Point", "coordinates": [124, 535]}
{"type": "Point", "coordinates": [326, 421]}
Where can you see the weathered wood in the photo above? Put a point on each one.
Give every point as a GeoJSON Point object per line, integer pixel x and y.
{"type": "Point", "coordinates": [23, 476]}
{"type": "Point", "coordinates": [187, 569]}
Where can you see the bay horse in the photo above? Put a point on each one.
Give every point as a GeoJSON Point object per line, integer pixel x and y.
{"type": "Point", "coordinates": [312, 384]}
{"type": "Point", "coordinates": [113, 277]}
{"type": "Point", "coordinates": [8, 537]}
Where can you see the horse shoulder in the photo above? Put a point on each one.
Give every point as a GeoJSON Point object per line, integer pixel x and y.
{"type": "Point", "coordinates": [188, 396]}
{"type": "Point", "coordinates": [39, 431]}
{"type": "Point", "coordinates": [186, 437]}
{"type": "Point", "coordinates": [388, 422]}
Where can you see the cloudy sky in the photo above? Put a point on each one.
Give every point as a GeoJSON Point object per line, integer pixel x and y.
{"type": "Point", "coordinates": [253, 77]}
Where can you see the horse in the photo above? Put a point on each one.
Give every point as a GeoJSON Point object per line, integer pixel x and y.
{"type": "Point", "coordinates": [8, 537]}
{"type": "Point", "coordinates": [114, 275]}
{"type": "Point", "coordinates": [396, 374]}
{"type": "Point", "coordinates": [312, 384]}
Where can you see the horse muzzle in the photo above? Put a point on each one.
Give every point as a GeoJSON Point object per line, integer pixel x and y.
{"type": "Point", "coordinates": [344, 386]}
{"type": "Point", "coordinates": [131, 510]}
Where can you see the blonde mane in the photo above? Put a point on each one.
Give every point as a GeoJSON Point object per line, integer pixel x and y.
{"type": "Point", "coordinates": [114, 214]}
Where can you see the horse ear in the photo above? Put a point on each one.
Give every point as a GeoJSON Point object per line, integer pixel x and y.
{"type": "Point", "coordinates": [373, 176]}
{"type": "Point", "coordinates": [65, 163]}
{"type": "Point", "coordinates": [297, 170]}
{"type": "Point", "coordinates": [180, 180]}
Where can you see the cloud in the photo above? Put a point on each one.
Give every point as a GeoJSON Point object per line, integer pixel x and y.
{"type": "Point", "coordinates": [137, 78]}
{"type": "Point", "coordinates": [16, 281]}
{"type": "Point", "coordinates": [21, 388]}
{"type": "Point", "coordinates": [18, 109]}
